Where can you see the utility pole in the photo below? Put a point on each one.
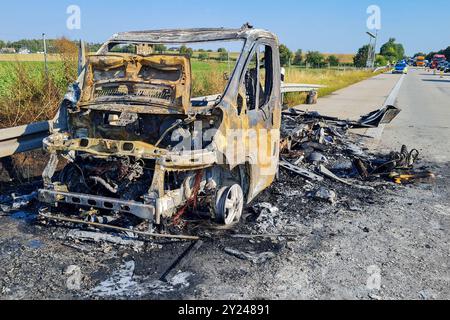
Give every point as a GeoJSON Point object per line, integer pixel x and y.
{"type": "Point", "coordinates": [45, 54]}
{"type": "Point", "coordinates": [371, 52]}
{"type": "Point", "coordinates": [229, 63]}
{"type": "Point", "coordinates": [81, 57]}
{"type": "Point", "coordinates": [375, 49]}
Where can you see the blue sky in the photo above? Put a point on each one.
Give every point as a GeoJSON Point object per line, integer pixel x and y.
{"type": "Point", "coordinates": [332, 26]}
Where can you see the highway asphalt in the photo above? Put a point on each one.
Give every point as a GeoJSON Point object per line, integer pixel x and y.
{"type": "Point", "coordinates": [424, 122]}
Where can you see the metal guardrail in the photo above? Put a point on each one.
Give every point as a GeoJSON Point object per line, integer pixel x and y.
{"type": "Point", "coordinates": [299, 87]}
{"type": "Point", "coordinates": [24, 138]}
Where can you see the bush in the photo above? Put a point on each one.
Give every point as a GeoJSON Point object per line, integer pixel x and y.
{"type": "Point", "coordinates": [285, 55]}
{"type": "Point", "coordinates": [333, 61]}
{"type": "Point", "coordinates": [203, 56]}
{"type": "Point", "coordinates": [381, 61]}
{"type": "Point", "coordinates": [68, 52]}
{"type": "Point", "coordinates": [186, 51]}
{"type": "Point", "coordinates": [315, 59]}
{"type": "Point", "coordinates": [298, 58]}
{"type": "Point", "coordinates": [392, 51]}
{"type": "Point", "coordinates": [360, 59]}
{"type": "Point", "coordinates": [160, 48]}
{"type": "Point", "coordinates": [223, 56]}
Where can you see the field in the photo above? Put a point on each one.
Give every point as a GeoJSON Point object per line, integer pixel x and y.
{"type": "Point", "coordinates": [34, 57]}
{"type": "Point", "coordinates": [28, 95]}
{"type": "Point", "coordinates": [343, 58]}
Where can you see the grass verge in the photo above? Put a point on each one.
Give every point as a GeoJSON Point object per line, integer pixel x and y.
{"type": "Point", "coordinates": [333, 80]}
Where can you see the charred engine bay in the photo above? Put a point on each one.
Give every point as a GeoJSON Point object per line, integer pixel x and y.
{"type": "Point", "coordinates": [327, 229]}
{"type": "Point", "coordinates": [114, 177]}
{"type": "Point", "coordinates": [170, 132]}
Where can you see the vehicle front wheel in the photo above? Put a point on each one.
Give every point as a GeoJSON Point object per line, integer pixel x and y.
{"type": "Point", "coordinates": [229, 205]}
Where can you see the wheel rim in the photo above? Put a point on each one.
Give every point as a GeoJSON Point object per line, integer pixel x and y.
{"type": "Point", "coordinates": [231, 203]}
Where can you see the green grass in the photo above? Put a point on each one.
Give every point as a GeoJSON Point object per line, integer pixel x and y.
{"type": "Point", "coordinates": [35, 70]}
{"type": "Point", "coordinates": [208, 77]}
{"type": "Point", "coordinates": [333, 80]}
{"type": "Point", "coordinates": [27, 94]}
{"type": "Point", "coordinates": [7, 77]}
{"type": "Point", "coordinates": [199, 67]}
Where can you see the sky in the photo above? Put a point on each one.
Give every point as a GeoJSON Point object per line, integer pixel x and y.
{"type": "Point", "coordinates": [329, 26]}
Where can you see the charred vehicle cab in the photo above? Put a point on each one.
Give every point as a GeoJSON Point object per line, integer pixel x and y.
{"type": "Point", "coordinates": [137, 142]}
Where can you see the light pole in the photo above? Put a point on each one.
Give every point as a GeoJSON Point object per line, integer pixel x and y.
{"type": "Point", "coordinates": [371, 54]}
{"type": "Point", "coordinates": [375, 48]}
{"type": "Point", "coordinates": [45, 54]}
{"type": "Point", "coordinates": [229, 63]}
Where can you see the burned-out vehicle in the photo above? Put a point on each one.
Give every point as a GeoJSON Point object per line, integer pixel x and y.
{"type": "Point", "coordinates": [137, 141]}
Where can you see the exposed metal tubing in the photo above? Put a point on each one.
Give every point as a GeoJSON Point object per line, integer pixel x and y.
{"type": "Point", "coordinates": [105, 226]}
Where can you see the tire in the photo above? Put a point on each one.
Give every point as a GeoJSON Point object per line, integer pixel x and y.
{"type": "Point", "coordinates": [229, 205]}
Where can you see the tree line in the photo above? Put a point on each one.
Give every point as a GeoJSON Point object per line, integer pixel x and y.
{"type": "Point", "coordinates": [37, 45]}
{"type": "Point", "coordinates": [312, 58]}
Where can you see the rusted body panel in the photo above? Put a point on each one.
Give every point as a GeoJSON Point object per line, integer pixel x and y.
{"type": "Point", "coordinates": [160, 80]}
{"type": "Point", "coordinates": [118, 133]}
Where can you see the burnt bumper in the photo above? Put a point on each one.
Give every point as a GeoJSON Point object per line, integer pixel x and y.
{"type": "Point", "coordinates": [143, 211]}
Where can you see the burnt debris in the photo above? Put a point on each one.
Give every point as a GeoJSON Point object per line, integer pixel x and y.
{"type": "Point", "coordinates": [317, 147]}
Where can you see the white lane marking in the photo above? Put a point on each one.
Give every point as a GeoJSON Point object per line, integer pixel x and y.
{"type": "Point", "coordinates": [376, 133]}
{"type": "Point", "coordinates": [390, 101]}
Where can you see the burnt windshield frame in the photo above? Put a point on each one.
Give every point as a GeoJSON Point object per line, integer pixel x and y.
{"type": "Point", "coordinates": [105, 49]}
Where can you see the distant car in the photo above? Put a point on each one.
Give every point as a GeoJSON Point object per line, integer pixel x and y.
{"type": "Point", "coordinates": [442, 65]}
{"type": "Point", "coordinates": [400, 68]}
{"type": "Point", "coordinates": [447, 68]}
